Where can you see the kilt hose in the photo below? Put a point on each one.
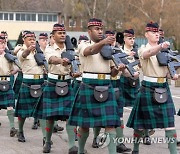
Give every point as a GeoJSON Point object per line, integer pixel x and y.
{"type": "Point", "coordinates": [116, 84]}
{"type": "Point", "coordinates": [26, 104]}
{"type": "Point", "coordinates": [147, 114]}
{"type": "Point", "coordinates": [54, 106]}
{"type": "Point", "coordinates": [17, 84]}
{"type": "Point", "coordinates": [88, 112]}
{"type": "Point", "coordinates": [7, 99]}
{"type": "Point", "coordinates": [129, 94]}
{"type": "Point", "coordinates": [178, 113]}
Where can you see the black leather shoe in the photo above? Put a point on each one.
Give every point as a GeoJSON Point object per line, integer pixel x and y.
{"type": "Point", "coordinates": [94, 144]}
{"type": "Point", "coordinates": [73, 150]}
{"type": "Point", "coordinates": [13, 132]}
{"type": "Point", "coordinates": [57, 128]}
{"type": "Point", "coordinates": [178, 143]}
{"type": "Point", "coordinates": [0, 124]}
{"type": "Point", "coordinates": [135, 152]}
{"type": "Point", "coordinates": [122, 148]}
{"type": "Point", "coordinates": [44, 141]}
{"type": "Point", "coordinates": [47, 147]}
{"type": "Point", "coordinates": [35, 126]}
{"type": "Point", "coordinates": [21, 137]}
{"type": "Point", "coordinates": [147, 140]}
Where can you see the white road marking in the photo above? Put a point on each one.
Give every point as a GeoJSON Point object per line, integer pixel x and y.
{"type": "Point", "coordinates": [175, 97]}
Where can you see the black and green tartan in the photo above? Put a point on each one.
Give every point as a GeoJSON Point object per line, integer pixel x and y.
{"type": "Point", "coordinates": [55, 106]}
{"type": "Point", "coordinates": [76, 85]}
{"type": "Point", "coordinates": [7, 98]}
{"type": "Point", "coordinates": [129, 94]}
{"type": "Point", "coordinates": [117, 84]}
{"type": "Point", "coordinates": [26, 103]}
{"type": "Point", "coordinates": [89, 113]}
{"type": "Point", "coordinates": [17, 84]}
{"type": "Point", "coordinates": [178, 113]}
{"type": "Point", "coordinates": [147, 114]}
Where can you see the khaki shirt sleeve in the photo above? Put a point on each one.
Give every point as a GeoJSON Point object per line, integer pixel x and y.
{"type": "Point", "coordinates": [112, 63]}
{"type": "Point", "coordinates": [141, 51]}
{"type": "Point", "coordinates": [19, 55]}
{"type": "Point", "coordinates": [48, 53]}
{"type": "Point", "coordinates": [82, 46]}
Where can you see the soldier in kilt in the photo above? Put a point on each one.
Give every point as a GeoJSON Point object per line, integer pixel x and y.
{"type": "Point", "coordinates": [58, 94]}
{"type": "Point", "coordinates": [147, 112]}
{"type": "Point", "coordinates": [7, 101]}
{"type": "Point", "coordinates": [88, 112]}
{"type": "Point", "coordinates": [31, 88]}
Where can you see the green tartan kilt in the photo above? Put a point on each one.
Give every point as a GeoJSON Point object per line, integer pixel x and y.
{"type": "Point", "coordinates": [76, 85]}
{"type": "Point", "coordinates": [55, 106]}
{"type": "Point", "coordinates": [178, 113]}
{"type": "Point", "coordinates": [89, 113]}
{"type": "Point", "coordinates": [17, 84]}
{"type": "Point", "coordinates": [129, 94]}
{"type": "Point", "coordinates": [116, 84]}
{"type": "Point", "coordinates": [7, 98]}
{"type": "Point", "coordinates": [26, 104]}
{"type": "Point", "coordinates": [147, 114]}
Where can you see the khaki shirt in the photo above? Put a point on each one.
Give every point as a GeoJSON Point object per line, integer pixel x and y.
{"type": "Point", "coordinates": [93, 63]}
{"type": "Point", "coordinates": [150, 66]}
{"type": "Point", "coordinates": [28, 64]}
{"type": "Point", "coordinates": [52, 68]}
{"type": "Point", "coordinates": [5, 66]}
{"type": "Point", "coordinates": [130, 58]}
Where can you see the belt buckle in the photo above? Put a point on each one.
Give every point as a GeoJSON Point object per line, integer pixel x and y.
{"type": "Point", "coordinates": [114, 78]}
{"type": "Point", "coordinates": [3, 78]}
{"type": "Point", "coordinates": [101, 76]}
{"type": "Point", "coordinates": [61, 77]}
{"type": "Point", "coordinates": [36, 76]}
{"type": "Point", "coordinates": [160, 80]}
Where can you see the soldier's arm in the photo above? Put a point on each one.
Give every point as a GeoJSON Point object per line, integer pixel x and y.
{"type": "Point", "coordinates": [27, 51]}
{"type": "Point", "coordinates": [154, 50]}
{"type": "Point", "coordinates": [56, 60]}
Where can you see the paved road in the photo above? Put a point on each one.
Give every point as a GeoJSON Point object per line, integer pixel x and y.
{"type": "Point", "coordinates": [33, 144]}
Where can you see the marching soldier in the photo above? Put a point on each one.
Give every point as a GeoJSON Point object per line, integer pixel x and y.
{"type": "Point", "coordinates": [8, 44]}
{"type": "Point", "coordinates": [92, 109]}
{"type": "Point", "coordinates": [31, 88]}
{"type": "Point", "coordinates": [58, 94]}
{"type": "Point", "coordinates": [7, 100]}
{"type": "Point", "coordinates": [153, 111]}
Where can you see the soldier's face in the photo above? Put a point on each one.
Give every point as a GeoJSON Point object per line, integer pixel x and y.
{"type": "Point", "coordinates": [2, 47]}
{"type": "Point", "coordinates": [30, 41]}
{"type": "Point", "coordinates": [59, 36]}
{"type": "Point", "coordinates": [129, 41]}
{"type": "Point", "coordinates": [96, 33]}
{"type": "Point", "coordinates": [43, 43]}
{"type": "Point", "coordinates": [152, 36]}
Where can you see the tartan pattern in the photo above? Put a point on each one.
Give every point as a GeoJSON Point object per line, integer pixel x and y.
{"type": "Point", "coordinates": [89, 113]}
{"type": "Point", "coordinates": [7, 98]}
{"type": "Point", "coordinates": [147, 114]}
{"type": "Point", "coordinates": [76, 84]}
{"type": "Point", "coordinates": [129, 94]}
{"type": "Point", "coordinates": [55, 106]}
{"type": "Point", "coordinates": [116, 84]}
{"type": "Point", "coordinates": [178, 113]}
{"type": "Point", "coordinates": [17, 84]}
{"type": "Point", "coordinates": [26, 103]}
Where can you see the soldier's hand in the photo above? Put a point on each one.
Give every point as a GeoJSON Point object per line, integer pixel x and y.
{"type": "Point", "coordinates": [75, 75]}
{"type": "Point", "coordinates": [31, 48]}
{"type": "Point", "coordinates": [132, 53]}
{"type": "Point", "coordinates": [109, 40]}
{"type": "Point", "coordinates": [136, 74]}
{"type": "Point", "coordinates": [121, 67]}
{"type": "Point", "coordinates": [176, 76]}
{"type": "Point", "coordinates": [65, 61]}
{"type": "Point", "coordinates": [165, 45]}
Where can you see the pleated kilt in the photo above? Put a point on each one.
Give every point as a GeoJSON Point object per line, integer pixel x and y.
{"type": "Point", "coordinates": [26, 104]}
{"type": "Point", "coordinates": [17, 84]}
{"type": "Point", "coordinates": [116, 84]}
{"type": "Point", "coordinates": [54, 106]}
{"type": "Point", "coordinates": [76, 85]}
{"type": "Point", "coordinates": [147, 114]}
{"type": "Point", "coordinates": [7, 98]}
{"type": "Point", "coordinates": [89, 113]}
{"type": "Point", "coordinates": [178, 113]}
{"type": "Point", "coordinates": [129, 94]}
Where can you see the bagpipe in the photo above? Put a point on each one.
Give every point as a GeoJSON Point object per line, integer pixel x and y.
{"type": "Point", "coordinates": [71, 55]}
